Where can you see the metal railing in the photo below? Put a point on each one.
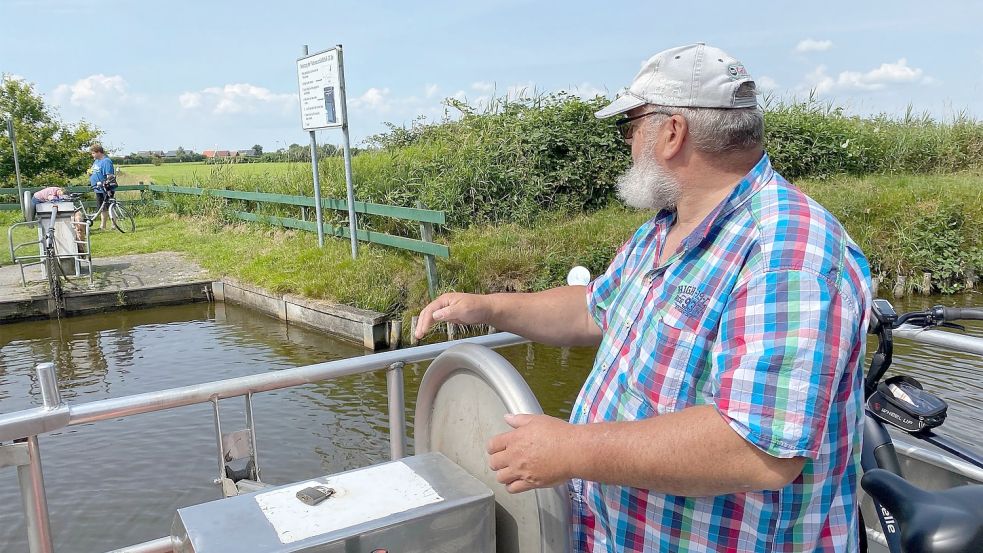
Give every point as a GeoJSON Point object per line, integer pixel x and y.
{"type": "Point", "coordinates": [23, 427]}
{"type": "Point", "coordinates": [951, 340]}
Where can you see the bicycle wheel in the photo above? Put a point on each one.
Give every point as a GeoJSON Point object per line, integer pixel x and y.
{"type": "Point", "coordinates": [122, 220]}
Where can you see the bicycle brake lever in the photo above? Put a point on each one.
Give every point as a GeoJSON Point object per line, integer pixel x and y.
{"type": "Point", "coordinates": [954, 325]}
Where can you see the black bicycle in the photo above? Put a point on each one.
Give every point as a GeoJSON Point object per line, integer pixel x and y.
{"type": "Point", "coordinates": [913, 519]}
{"type": "Point", "coordinates": [122, 220]}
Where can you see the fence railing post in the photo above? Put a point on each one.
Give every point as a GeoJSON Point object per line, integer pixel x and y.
{"type": "Point", "coordinates": [426, 234]}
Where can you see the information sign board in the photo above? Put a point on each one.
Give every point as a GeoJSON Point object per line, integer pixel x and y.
{"type": "Point", "coordinates": [320, 90]}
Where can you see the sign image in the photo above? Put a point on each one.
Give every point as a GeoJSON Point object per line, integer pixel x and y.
{"type": "Point", "coordinates": [317, 77]}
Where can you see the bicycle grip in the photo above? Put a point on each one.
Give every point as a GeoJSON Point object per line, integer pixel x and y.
{"type": "Point", "coordinates": [962, 313]}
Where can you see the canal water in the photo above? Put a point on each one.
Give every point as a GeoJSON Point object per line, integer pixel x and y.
{"type": "Point", "coordinates": [118, 482]}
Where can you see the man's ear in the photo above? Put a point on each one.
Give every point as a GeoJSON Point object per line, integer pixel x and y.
{"type": "Point", "coordinates": [677, 129]}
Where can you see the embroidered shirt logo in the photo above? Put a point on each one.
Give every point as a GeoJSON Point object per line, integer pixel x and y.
{"type": "Point", "coordinates": [691, 301]}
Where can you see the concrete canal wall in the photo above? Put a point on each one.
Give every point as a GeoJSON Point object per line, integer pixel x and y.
{"type": "Point", "coordinates": [147, 280]}
{"type": "Point", "coordinates": [369, 328]}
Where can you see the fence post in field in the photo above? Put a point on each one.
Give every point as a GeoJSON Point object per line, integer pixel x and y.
{"type": "Point", "coordinates": [426, 234]}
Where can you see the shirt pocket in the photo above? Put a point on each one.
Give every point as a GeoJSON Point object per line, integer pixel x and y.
{"type": "Point", "coordinates": [670, 359]}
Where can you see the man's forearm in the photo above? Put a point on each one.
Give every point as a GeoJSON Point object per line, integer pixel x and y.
{"type": "Point", "coordinates": [692, 452]}
{"type": "Point", "coordinates": [557, 317]}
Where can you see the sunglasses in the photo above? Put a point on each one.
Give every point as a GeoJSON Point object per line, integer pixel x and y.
{"type": "Point", "coordinates": [626, 126]}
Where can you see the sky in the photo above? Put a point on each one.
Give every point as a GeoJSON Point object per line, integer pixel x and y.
{"type": "Point", "coordinates": [222, 75]}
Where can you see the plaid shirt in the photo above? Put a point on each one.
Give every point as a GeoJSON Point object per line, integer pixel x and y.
{"type": "Point", "coordinates": [761, 313]}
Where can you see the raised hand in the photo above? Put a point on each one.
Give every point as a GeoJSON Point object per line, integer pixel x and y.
{"type": "Point", "coordinates": [455, 308]}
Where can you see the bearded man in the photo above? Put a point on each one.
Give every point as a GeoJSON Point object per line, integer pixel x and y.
{"type": "Point", "coordinates": [724, 411]}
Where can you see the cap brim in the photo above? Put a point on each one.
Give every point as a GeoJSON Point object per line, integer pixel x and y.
{"type": "Point", "coordinates": [624, 103]}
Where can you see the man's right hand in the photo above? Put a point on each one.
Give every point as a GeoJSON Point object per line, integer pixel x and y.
{"type": "Point", "coordinates": [556, 317]}
{"type": "Point", "coordinates": [455, 308]}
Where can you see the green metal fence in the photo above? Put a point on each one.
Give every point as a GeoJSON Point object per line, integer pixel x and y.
{"type": "Point", "coordinates": [81, 189]}
{"type": "Point", "coordinates": [427, 218]}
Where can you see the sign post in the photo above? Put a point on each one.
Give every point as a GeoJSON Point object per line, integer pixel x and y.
{"type": "Point", "coordinates": [321, 82]}
{"type": "Point", "coordinates": [352, 227]}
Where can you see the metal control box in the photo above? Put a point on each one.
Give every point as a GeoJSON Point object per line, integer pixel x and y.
{"type": "Point", "coordinates": [66, 241]}
{"type": "Point", "coordinates": [417, 504]}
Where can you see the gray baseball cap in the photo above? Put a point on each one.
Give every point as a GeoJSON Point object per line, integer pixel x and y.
{"type": "Point", "coordinates": [696, 76]}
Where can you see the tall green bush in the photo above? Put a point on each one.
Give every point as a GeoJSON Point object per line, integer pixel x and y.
{"type": "Point", "coordinates": [818, 139]}
{"type": "Point", "coordinates": [515, 160]}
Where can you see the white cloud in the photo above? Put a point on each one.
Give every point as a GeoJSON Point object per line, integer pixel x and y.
{"type": "Point", "coordinates": [237, 98]}
{"type": "Point", "coordinates": [810, 45]}
{"type": "Point", "coordinates": [373, 99]}
{"type": "Point", "coordinates": [765, 83]}
{"type": "Point", "coordinates": [878, 78]}
{"type": "Point", "coordinates": [430, 90]}
{"type": "Point", "coordinates": [587, 91]}
{"type": "Point", "coordinates": [190, 100]}
{"type": "Point", "coordinates": [483, 86]}
{"type": "Point", "coordinates": [98, 94]}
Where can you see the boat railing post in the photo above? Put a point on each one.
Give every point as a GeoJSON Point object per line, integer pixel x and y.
{"type": "Point", "coordinates": [397, 410]}
{"type": "Point", "coordinates": [251, 424]}
{"type": "Point", "coordinates": [218, 442]}
{"type": "Point", "coordinates": [48, 381]}
{"type": "Point", "coordinates": [31, 477]}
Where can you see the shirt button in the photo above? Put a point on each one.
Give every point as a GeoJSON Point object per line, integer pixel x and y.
{"type": "Point", "coordinates": [627, 324]}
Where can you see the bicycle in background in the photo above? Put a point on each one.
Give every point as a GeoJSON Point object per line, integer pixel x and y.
{"type": "Point", "coordinates": [122, 220]}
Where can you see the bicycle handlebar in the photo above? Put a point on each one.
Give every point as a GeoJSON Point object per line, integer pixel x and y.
{"type": "Point", "coordinates": [884, 320]}
{"type": "Point", "coordinates": [937, 315]}
{"type": "Point", "coordinates": [964, 313]}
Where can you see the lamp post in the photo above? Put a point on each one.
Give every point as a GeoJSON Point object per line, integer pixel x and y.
{"type": "Point", "coordinates": [13, 144]}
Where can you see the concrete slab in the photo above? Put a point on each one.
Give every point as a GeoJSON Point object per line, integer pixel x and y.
{"type": "Point", "coordinates": [118, 283]}
{"type": "Point", "coordinates": [369, 328]}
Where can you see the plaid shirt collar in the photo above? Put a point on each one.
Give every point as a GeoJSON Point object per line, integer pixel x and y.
{"type": "Point", "coordinates": [761, 174]}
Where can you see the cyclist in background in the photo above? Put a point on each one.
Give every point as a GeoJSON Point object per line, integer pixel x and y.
{"type": "Point", "coordinates": [102, 179]}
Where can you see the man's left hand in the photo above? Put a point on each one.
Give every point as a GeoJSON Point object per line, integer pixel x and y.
{"type": "Point", "coordinates": [537, 454]}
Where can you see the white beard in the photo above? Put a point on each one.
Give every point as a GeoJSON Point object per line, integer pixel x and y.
{"type": "Point", "coordinates": [647, 185]}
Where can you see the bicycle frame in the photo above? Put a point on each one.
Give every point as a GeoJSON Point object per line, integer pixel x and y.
{"type": "Point", "coordinates": [80, 206]}
{"type": "Point", "coordinates": [878, 447]}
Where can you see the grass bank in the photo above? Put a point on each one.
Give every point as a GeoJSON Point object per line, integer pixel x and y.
{"type": "Point", "coordinates": [905, 224]}
{"type": "Point", "coordinates": [487, 259]}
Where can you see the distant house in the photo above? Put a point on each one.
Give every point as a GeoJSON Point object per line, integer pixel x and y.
{"type": "Point", "coordinates": [170, 153]}
{"type": "Point", "coordinates": [150, 153]}
{"type": "Point", "coordinates": [246, 153]}
{"type": "Point", "coordinates": [210, 154]}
